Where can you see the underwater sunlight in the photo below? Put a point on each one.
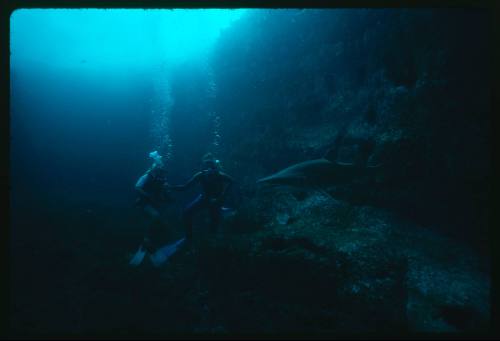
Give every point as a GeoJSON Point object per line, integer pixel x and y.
{"type": "Point", "coordinates": [114, 37]}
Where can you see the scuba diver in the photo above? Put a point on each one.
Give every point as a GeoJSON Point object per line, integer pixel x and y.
{"type": "Point", "coordinates": [152, 190]}
{"type": "Point", "coordinates": [214, 184]}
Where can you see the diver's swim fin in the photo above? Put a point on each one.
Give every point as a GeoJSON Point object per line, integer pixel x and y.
{"type": "Point", "coordinates": [138, 257]}
{"type": "Point", "coordinates": [162, 254]}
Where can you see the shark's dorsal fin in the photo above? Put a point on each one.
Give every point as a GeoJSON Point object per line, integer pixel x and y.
{"type": "Point", "coordinates": [365, 149]}
{"type": "Point", "coordinates": [332, 153]}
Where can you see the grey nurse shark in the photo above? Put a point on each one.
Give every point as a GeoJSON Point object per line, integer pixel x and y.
{"type": "Point", "coordinates": [319, 172]}
{"type": "Point", "coordinates": [325, 171]}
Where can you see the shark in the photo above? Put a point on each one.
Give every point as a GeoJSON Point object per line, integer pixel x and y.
{"type": "Point", "coordinates": [319, 172]}
{"type": "Point", "coordinates": [325, 171]}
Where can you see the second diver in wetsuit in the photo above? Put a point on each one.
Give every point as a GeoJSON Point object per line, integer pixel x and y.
{"type": "Point", "coordinates": [214, 184]}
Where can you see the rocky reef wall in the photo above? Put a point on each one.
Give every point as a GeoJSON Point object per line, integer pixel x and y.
{"type": "Point", "coordinates": [413, 81]}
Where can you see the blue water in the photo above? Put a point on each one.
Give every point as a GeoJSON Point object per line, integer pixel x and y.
{"type": "Point", "coordinates": [90, 98]}
{"type": "Point", "coordinates": [82, 95]}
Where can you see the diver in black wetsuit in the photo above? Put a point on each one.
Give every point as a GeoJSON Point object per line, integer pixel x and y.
{"type": "Point", "coordinates": [214, 185]}
{"type": "Point", "coordinates": [152, 191]}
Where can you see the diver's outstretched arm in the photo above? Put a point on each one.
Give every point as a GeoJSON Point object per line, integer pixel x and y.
{"type": "Point", "coordinates": [187, 185]}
